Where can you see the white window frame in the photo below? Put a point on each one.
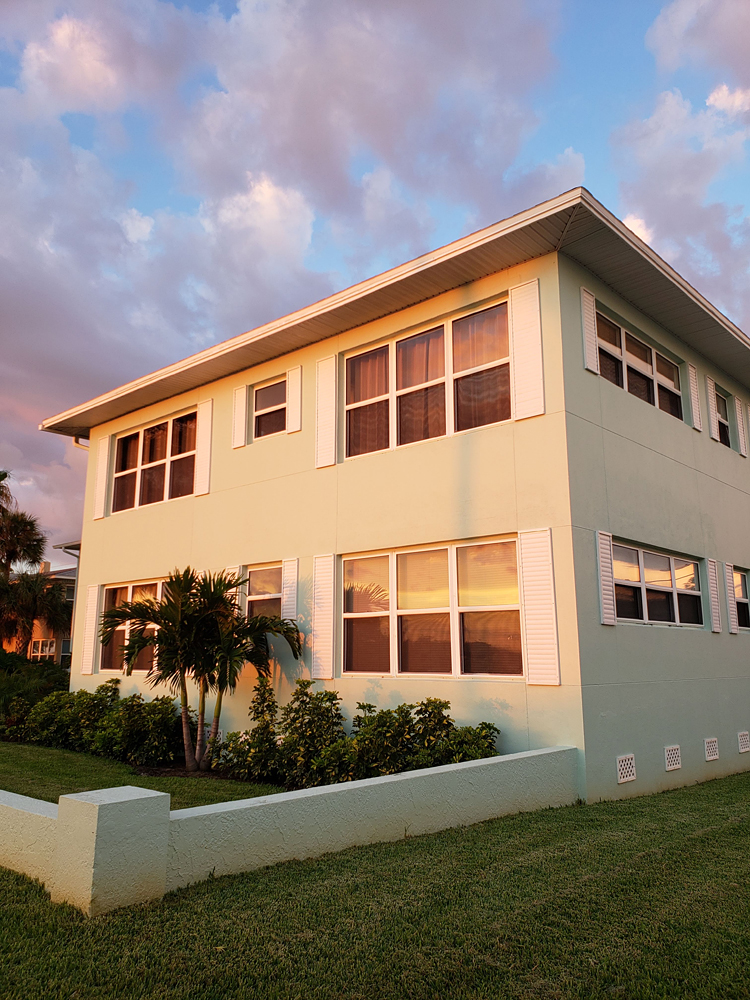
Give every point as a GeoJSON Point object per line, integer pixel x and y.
{"type": "Point", "coordinates": [247, 598]}
{"type": "Point", "coordinates": [673, 590]}
{"type": "Point", "coordinates": [453, 609]}
{"type": "Point", "coordinates": [723, 421]}
{"type": "Point", "coordinates": [140, 465]}
{"type": "Point", "coordinates": [130, 587]}
{"type": "Point", "coordinates": [626, 359]}
{"type": "Point", "coordinates": [42, 650]}
{"type": "Point", "coordinates": [270, 409]}
{"type": "Point", "coordinates": [448, 378]}
{"type": "Point", "coordinates": [736, 571]}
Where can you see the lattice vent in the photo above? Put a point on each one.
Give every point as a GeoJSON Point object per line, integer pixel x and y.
{"type": "Point", "coordinates": [626, 768]}
{"type": "Point", "coordinates": [712, 748]}
{"type": "Point", "coordinates": [672, 758]}
{"type": "Point", "coordinates": [743, 739]}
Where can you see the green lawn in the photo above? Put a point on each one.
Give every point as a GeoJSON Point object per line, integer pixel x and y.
{"type": "Point", "coordinates": [646, 898]}
{"type": "Point", "coordinates": [47, 774]}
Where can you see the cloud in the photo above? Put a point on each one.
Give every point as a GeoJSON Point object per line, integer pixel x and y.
{"type": "Point", "coordinates": [733, 103]}
{"type": "Point", "coordinates": [714, 33]}
{"type": "Point", "coordinates": [639, 227]}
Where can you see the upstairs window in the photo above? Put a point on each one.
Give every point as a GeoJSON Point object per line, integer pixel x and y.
{"type": "Point", "coordinates": [652, 587]}
{"type": "Point", "coordinates": [113, 657]}
{"type": "Point", "coordinates": [629, 363]}
{"type": "Point", "coordinates": [722, 414]}
{"type": "Point", "coordinates": [741, 597]}
{"type": "Point", "coordinates": [42, 650]}
{"type": "Point", "coordinates": [269, 409]}
{"type": "Point", "coordinates": [155, 464]}
{"type": "Point", "coordinates": [445, 380]}
{"type": "Point", "coordinates": [264, 591]}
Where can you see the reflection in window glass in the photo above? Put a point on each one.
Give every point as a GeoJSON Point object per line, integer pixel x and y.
{"type": "Point", "coordinates": [425, 644]}
{"type": "Point", "coordinates": [481, 338]}
{"type": "Point", "coordinates": [487, 574]}
{"type": "Point", "coordinates": [367, 375]}
{"type": "Point", "coordinates": [685, 575]}
{"type": "Point", "coordinates": [740, 585]}
{"type": "Point", "coordinates": [366, 585]}
{"type": "Point", "coordinates": [422, 579]}
{"type": "Point", "coordinates": [264, 592]}
{"type": "Point", "coordinates": [491, 642]}
{"type": "Point", "coordinates": [669, 592]}
{"type": "Point", "coordinates": [367, 645]}
{"type": "Point", "coordinates": [420, 359]}
{"type": "Point", "coordinates": [155, 443]}
{"type": "Point", "coordinates": [657, 569]}
{"type": "Point", "coordinates": [626, 563]}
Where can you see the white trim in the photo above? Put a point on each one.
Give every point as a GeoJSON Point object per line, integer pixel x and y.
{"type": "Point", "coordinates": [713, 414]}
{"type": "Point", "coordinates": [539, 613]}
{"type": "Point", "coordinates": [289, 576]}
{"type": "Point", "coordinates": [713, 592]}
{"type": "Point", "coordinates": [324, 576]}
{"type": "Point", "coordinates": [731, 599]}
{"type": "Point", "coordinates": [325, 413]}
{"type": "Point", "coordinates": [294, 400]}
{"type": "Point", "coordinates": [525, 334]}
{"type": "Point", "coordinates": [102, 477]}
{"type": "Point", "coordinates": [90, 629]}
{"type": "Point", "coordinates": [239, 417]}
{"type": "Point", "coordinates": [741, 436]}
{"type": "Point", "coordinates": [607, 601]}
{"type": "Point", "coordinates": [695, 398]}
{"type": "Point", "coordinates": [588, 323]}
{"type": "Point", "coordinates": [204, 422]}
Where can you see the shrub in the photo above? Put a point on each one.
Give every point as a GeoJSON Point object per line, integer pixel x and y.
{"type": "Point", "coordinates": [30, 680]}
{"type": "Point", "coordinates": [310, 722]}
{"type": "Point", "coordinates": [255, 755]}
{"type": "Point", "coordinates": [69, 720]}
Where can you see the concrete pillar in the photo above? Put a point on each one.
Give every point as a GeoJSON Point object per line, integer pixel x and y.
{"type": "Point", "coordinates": [111, 848]}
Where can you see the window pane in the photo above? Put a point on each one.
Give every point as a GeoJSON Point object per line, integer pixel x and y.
{"type": "Point", "coordinates": [270, 423]}
{"type": "Point", "coordinates": [424, 644]}
{"type": "Point", "coordinates": [145, 659]}
{"type": "Point", "coordinates": [491, 642]}
{"type": "Point", "coordinates": [610, 368]}
{"type": "Point", "coordinates": [641, 386]}
{"type": "Point", "coordinates": [183, 433]}
{"type": "Point", "coordinates": [660, 606]}
{"type": "Point", "coordinates": [626, 563]}
{"type": "Point", "coordinates": [112, 655]}
{"type": "Point", "coordinates": [155, 444]}
{"type": "Point", "coordinates": [114, 597]}
{"type": "Point", "coordinates": [740, 586]}
{"type": "Point", "coordinates": [721, 406]}
{"type": "Point", "coordinates": [422, 579]}
{"type": "Point", "coordinates": [656, 569]}
{"type": "Point", "coordinates": [270, 395]}
{"type": "Point", "coordinates": [367, 645]}
{"type": "Point", "coordinates": [367, 428]}
{"type": "Point", "coordinates": [366, 584]}
{"type": "Point", "coordinates": [181, 475]}
{"type": "Point", "coordinates": [607, 331]}
{"type": "Point", "coordinates": [145, 591]}
{"type": "Point", "coordinates": [670, 402]}
{"type": "Point", "coordinates": [124, 493]}
{"type": "Point", "coordinates": [268, 608]}
{"type": "Point", "coordinates": [483, 398]}
{"type": "Point", "coordinates": [638, 350]}
{"type": "Point", "coordinates": [421, 414]}
{"type": "Point", "coordinates": [420, 359]}
{"type": "Point", "coordinates": [480, 338]}
{"type": "Point", "coordinates": [127, 453]}
{"type": "Point", "coordinates": [264, 581]}
{"type": "Point", "coordinates": [689, 606]}
{"type": "Point", "coordinates": [152, 484]}
{"type": "Point", "coordinates": [743, 614]}
{"type": "Point", "coordinates": [367, 375]}
{"type": "Point", "coordinates": [487, 574]}
{"type": "Point", "coordinates": [685, 575]}
{"type": "Point", "coordinates": [628, 600]}
{"type": "Point", "coordinates": [724, 435]}
{"type": "Point", "coordinates": [667, 370]}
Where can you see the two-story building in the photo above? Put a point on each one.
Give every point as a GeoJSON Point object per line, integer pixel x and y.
{"type": "Point", "coordinates": [511, 473]}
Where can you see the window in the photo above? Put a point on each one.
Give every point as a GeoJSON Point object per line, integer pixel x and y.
{"type": "Point", "coordinates": [65, 654]}
{"type": "Point", "coordinates": [447, 610]}
{"type": "Point", "coordinates": [42, 649]}
{"type": "Point", "coordinates": [269, 408]}
{"type": "Point", "coordinates": [653, 587]}
{"type": "Point", "coordinates": [741, 597]}
{"type": "Point", "coordinates": [264, 591]}
{"type": "Point", "coordinates": [628, 362]}
{"type": "Point", "coordinates": [112, 654]}
{"type": "Point", "coordinates": [399, 393]}
{"type": "Point", "coordinates": [156, 463]}
{"type": "Point", "coordinates": [722, 414]}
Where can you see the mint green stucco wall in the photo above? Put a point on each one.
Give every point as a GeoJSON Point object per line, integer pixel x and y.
{"type": "Point", "coordinates": [656, 482]}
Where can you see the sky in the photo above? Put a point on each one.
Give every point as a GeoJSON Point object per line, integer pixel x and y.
{"type": "Point", "coordinates": [176, 173]}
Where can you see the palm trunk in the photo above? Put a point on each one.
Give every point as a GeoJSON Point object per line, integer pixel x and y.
{"type": "Point", "coordinates": [190, 762]}
{"type": "Point", "coordinates": [206, 759]}
{"type": "Point", "coordinates": [200, 737]}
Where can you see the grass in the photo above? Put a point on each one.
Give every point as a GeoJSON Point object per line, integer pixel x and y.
{"type": "Point", "coordinates": [643, 899]}
{"type": "Point", "coordinates": [47, 774]}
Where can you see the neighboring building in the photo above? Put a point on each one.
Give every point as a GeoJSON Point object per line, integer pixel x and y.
{"type": "Point", "coordinates": [511, 473]}
{"type": "Point", "coordinates": [47, 644]}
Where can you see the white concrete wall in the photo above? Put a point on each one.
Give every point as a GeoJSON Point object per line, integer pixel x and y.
{"type": "Point", "coordinates": [27, 835]}
{"type": "Point", "coordinates": [239, 836]}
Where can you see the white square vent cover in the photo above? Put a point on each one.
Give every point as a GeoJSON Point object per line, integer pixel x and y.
{"type": "Point", "coordinates": [626, 768]}
{"type": "Point", "coordinates": [712, 748]}
{"type": "Point", "coordinates": [672, 759]}
{"type": "Point", "coordinates": [743, 739]}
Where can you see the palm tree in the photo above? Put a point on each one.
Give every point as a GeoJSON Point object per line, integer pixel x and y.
{"type": "Point", "coordinates": [28, 598]}
{"type": "Point", "coordinates": [6, 497]}
{"type": "Point", "coordinates": [245, 640]}
{"type": "Point", "coordinates": [20, 539]}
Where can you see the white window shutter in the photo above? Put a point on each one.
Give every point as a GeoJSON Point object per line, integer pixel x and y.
{"type": "Point", "coordinates": [90, 630]}
{"type": "Point", "coordinates": [289, 574]}
{"type": "Point", "coordinates": [203, 447]}
{"type": "Point", "coordinates": [713, 416]}
{"type": "Point", "coordinates": [325, 423]}
{"type": "Point", "coordinates": [294, 400]}
{"type": "Point", "coordinates": [713, 593]}
{"type": "Point", "coordinates": [538, 607]}
{"type": "Point", "coordinates": [526, 351]}
{"type": "Point", "coordinates": [322, 616]}
{"type": "Point", "coordinates": [239, 417]}
{"type": "Point", "coordinates": [741, 436]}
{"type": "Point", "coordinates": [235, 571]}
{"type": "Point", "coordinates": [102, 476]}
{"type": "Point", "coordinates": [590, 343]}
{"type": "Point", "coordinates": [731, 598]}
{"type": "Point", "coordinates": [695, 398]}
{"type": "Point", "coordinates": [606, 578]}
